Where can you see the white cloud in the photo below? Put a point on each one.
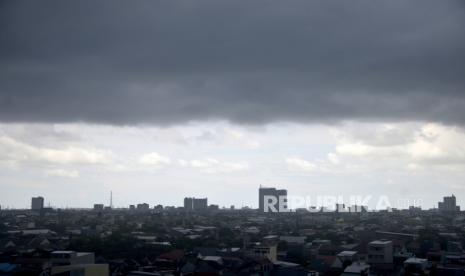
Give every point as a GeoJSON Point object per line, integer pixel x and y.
{"type": "Point", "coordinates": [155, 160]}
{"type": "Point", "coordinates": [363, 150]}
{"type": "Point", "coordinates": [19, 152]}
{"type": "Point", "coordinates": [242, 138]}
{"type": "Point", "coordinates": [111, 157]}
{"type": "Point", "coordinates": [407, 146]}
{"type": "Point", "coordinates": [183, 162]}
{"type": "Point", "coordinates": [62, 173]}
{"type": "Point", "coordinates": [213, 166]}
{"type": "Point", "coordinates": [438, 144]}
{"type": "Point", "coordinates": [333, 158]}
{"type": "Point", "coordinates": [426, 145]}
{"type": "Point", "coordinates": [301, 164]}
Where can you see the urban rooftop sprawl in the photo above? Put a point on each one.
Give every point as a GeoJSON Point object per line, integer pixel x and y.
{"type": "Point", "coordinates": [202, 239]}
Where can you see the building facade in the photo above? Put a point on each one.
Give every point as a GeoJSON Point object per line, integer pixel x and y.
{"type": "Point", "coordinates": [37, 203]}
{"type": "Point", "coordinates": [269, 199]}
{"type": "Point", "coordinates": [99, 207]}
{"type": "Point", "coordinates": [380, 254]}
{"type": "Point", "coordinates": [449, 204]}
{"type": "Point", "coordinates": [195, 204]}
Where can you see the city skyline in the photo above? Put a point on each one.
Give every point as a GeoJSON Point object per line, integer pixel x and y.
{"type": "Point", "coordinates": [337, 204]}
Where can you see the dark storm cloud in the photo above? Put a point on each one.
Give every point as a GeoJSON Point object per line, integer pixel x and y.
{"type": "Point", "coordinates": [166, 62]}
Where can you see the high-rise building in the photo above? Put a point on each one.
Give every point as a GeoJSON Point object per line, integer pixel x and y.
{"type": "Point", "coordinates": [195, 204]}
{"type": "Point", "coordinates": [188, 203]}
{"type": "Point", "coordinates": [37, 203]}
{"type": "Point", "coordinates": [449, 204]}
{"type": "Point", "coordinates": [200, 203]}
{"type": "Point", "coordinates": [276, 197]}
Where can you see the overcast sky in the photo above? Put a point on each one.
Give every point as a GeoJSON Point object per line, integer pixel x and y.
{"type": "Point", "coordinates": [157, 100]}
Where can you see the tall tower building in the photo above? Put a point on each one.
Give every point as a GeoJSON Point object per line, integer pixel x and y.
{"type": "Point", "coordinates": [200, 203]}
{"type": "Point", "coordinates": [271, 192]}
{"type": "Point", "coordinates": [188, 203]}
{"type": "Point", "coordinates": [37, 203]}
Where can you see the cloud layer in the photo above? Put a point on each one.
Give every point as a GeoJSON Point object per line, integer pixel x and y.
{"type": "Point", "coordinates": [216, 160]}
{"type": "Point", "coordinates": [124, 62]}
{"type": "Point", "coordinates": [410, 147]}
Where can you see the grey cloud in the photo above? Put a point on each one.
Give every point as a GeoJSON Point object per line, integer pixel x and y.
{"type": "Point", "coordinates": [168, 62]}
{"type": "Point", "coordinates": [39, 135]}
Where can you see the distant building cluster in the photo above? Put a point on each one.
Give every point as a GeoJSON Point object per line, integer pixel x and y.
{"type": "Point", "coordinates": [449, 204]}
{"type": "Point", "coordinates": [270, 199]}
{"type": "Point", "coordinates": [143, 207]}
{"type": "Point", "coordinates": [201, 239]}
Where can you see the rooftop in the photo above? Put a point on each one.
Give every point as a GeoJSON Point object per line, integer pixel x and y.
{"type": "Point", "coordinates": [415, 260]}
{"type": "Point", "coordinates": [357, 268]}
{"type": "Point", "coordinates": [347, 253]}
{"type": "Point", "coordinates": [63, 252]}
{"type": "Point", "coordinates": [380, 242]}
